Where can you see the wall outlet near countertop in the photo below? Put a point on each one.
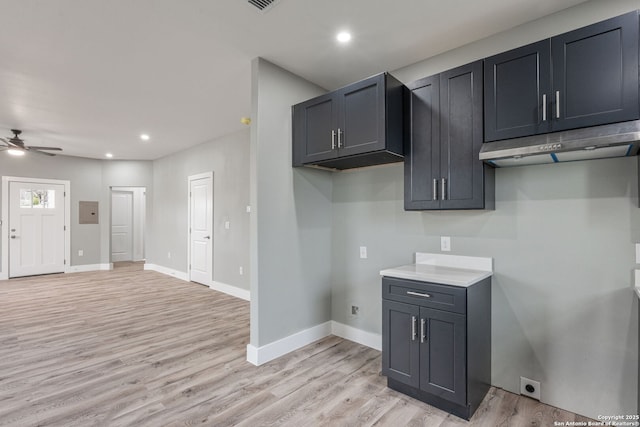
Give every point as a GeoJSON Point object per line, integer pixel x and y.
{"type": "Point", "coordinates": [530, 388]}
{"type": "Point", "coordinates": [80, 252]}
{"type": "Point", "coordinates": [363, 252]}
{"type": "Point", "coordinates": [445, 243]}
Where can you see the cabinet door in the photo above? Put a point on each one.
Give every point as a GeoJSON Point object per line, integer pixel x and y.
{"type": "Point", "coordinates": [400, 349]}
{"type": "Point", "coordinates": [361, 120]}
{"type": "Point", "coordinates": [517, 92]}
{"type": "Point", "coordinates": [461, 122]}
{"type": "Point", "coordinates": [314, 124]}
{"type": "Point", "coordinates": [443, 355]}
{"type": "Point", "coordinates": [595, 74]}
{"type": "Point", "coordinates": [422, 153]}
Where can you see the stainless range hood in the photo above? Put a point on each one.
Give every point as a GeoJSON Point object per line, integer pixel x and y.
{"type": "Point", "coordinates": [614, 140]}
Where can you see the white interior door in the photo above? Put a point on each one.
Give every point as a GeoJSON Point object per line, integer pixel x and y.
{"type": "Point", "coordinates": [36, 228]}
{"type": "Point", "coordinates": [200, 229]}
{"type": "Point", "coordinates": [121, 226]}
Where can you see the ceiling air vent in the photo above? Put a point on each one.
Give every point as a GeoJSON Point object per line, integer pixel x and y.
{"type": "Point", "coordinates": [263, 5]}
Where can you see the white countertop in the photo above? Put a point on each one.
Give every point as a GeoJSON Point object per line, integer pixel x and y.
{"type": "Point", "coordinates": [444, 269]}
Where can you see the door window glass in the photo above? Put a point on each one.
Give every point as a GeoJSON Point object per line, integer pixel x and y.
{"type": "Point", "coordinates": [39, 199]}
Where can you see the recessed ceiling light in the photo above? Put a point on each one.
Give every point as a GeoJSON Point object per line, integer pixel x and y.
{"type": "Point", "coordinates": [16, 152]}
{"type": "Point", "coordinates": [145, 137]}
{"type": "Point", "coordinates": [108, 155]}
{"type": "Point", "coordinates": [343, 36]}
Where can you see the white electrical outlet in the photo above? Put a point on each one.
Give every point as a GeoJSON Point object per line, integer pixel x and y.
{"type": "Point", "coordinates": [227, 225]}
{"type": "Point", "coordinates": [241, 271]}
{"type": "Point", "coordinates": [169, 255]}
{"type": "Point", "coordinates": [530, 388]}
{"type": "Point", "coordinates": [80, 252]}
{"type": "Point", "coordinates": [637, 253]}
{"type": "Point", "coordinates": [445, 243]}
{"type": "Point", "coordinates": [363, 252]}
{"type": "Point", "coordinates": [248, 209]}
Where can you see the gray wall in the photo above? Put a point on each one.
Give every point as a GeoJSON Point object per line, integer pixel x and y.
{"type": "Point", "coordinates": [227, 157]}
{"type": "Point", "coordinates": [291, 228]}
{"type": "Point", "coordinates": [90, 180]}
{"type": "Point", "coordinates": [562, 238]}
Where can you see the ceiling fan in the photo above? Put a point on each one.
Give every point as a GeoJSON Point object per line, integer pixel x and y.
{"type": "Point", "coordinates": [16, 147]}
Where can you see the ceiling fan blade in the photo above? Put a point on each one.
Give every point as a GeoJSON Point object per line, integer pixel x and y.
{"type": "Point", "coordinates": [35, 147]}
{"type": "Point", "coordinates": [43, 152]}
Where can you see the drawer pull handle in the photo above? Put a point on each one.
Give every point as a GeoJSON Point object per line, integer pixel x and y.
{"type": "Point", "coordinates": [413, 328]}
{"type": "Point", "coordinates": [418, 294]}
{"type": "Point", "coordinates": [422, 331]}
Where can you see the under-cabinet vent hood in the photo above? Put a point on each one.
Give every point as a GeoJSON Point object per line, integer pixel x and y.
{"type": "Point", "coordinates": [598, 142]}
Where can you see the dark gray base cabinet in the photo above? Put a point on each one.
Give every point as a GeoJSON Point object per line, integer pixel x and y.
{"type": "Point", "coordinates": [437, 349]}
{"type": "Point", "coordinates": [359, 125]}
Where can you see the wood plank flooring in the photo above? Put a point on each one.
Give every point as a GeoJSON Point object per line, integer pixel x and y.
{"type": "Point", "coordinates": [137, 348]}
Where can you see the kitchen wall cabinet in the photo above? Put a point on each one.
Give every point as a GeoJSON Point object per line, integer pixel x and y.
{"type": "Point", "coordinates": [436, 342]}
{"type": "Point", "coordinates": [358, 125]}
{"type": "Point", "coordinates": [442, 169]}
{"type": "Point", "coordinates": [586, 77]}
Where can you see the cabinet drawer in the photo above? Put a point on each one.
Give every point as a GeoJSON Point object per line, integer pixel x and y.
{"type": "Point", "coordinates": [441, 297]}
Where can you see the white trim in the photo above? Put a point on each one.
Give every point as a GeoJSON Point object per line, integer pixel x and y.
{"type": "Point", "coordinates": [231, 290]}
{"type": "Point", "coordinates": [208, 175]}
{"type": "Point", "coordinates": [359, 336]}
{"type": "Point", "coordinates": [88, 267]}
{"type": "Point", "coordinates": [4, 219]}
{"type": "Point", "coordinates": [168, 271]}
{"type": "Point", "coordinates": [271, 351]}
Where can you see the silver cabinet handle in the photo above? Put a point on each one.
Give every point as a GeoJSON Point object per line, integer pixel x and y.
{"type": "Point", "coordinates": [333, 139]}
{"type": "Point", "coordinates": [422, 331]}
{"type": "Point", "coordinates": [544, 107]}
{"type": "Point", "coordinates": [340, 145]}
{"type": "Point", "coordinates": [413, 328]}
{"type": "Point", "coordinates": [207, 237]}
{"type": "Point", "coordinates": [13, 237]}
{"type": "Point", "coordinates": [418, 294]}
{"type": "Point", "coordinates": [435, 189]}
{"type": "Point", "coordinates": [557, 104]}
{"type": "Point", "coordinates": [444, 189]}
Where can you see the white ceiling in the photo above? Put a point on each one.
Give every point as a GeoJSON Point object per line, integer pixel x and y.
{"type": "Point", "coordinates": [91, 75]}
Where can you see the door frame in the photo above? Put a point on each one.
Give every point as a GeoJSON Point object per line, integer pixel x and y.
{"type": "Point", "coordinates": [143, 219]}
{"type": "Point", "coordinates": [203, 175]}
{"type": "Point", "coordinates": [4, 219]}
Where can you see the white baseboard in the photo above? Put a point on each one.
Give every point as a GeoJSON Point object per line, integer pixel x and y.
{"type": "Point", "coordinates": [88, 267]}
{"type": "Point", "coordinates": [168, 271]}
{"type": "Point", "coordinates": [359, 336]}
{"type": "Point", "coordinates": [234, 291]}
{"type": "Point", "coordinates": [266, 353]}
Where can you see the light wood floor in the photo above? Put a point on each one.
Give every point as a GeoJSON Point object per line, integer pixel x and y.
{"type": "Point", "coordinates": [137, 348]}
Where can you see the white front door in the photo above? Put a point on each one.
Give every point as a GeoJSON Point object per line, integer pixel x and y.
{"type": "Point", "coordinates": [36, 228]}
{"type": "Point", "coordinates": [121, 226]}
{"type": "Point", "coordinates": [200, 229]}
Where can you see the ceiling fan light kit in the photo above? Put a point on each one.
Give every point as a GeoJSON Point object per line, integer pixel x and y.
{"type": "Point", "coordinates": [15, 146]}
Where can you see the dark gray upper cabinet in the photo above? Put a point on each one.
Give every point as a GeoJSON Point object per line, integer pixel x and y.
{"type": "Point", "coordinates": [517, 88]}
{"type": "Point", "coordinates": [582, 78]}
{"type": "Point", "coordinates": [355, 126]}
{"type": "Point", "coordinates": [442, 169]}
